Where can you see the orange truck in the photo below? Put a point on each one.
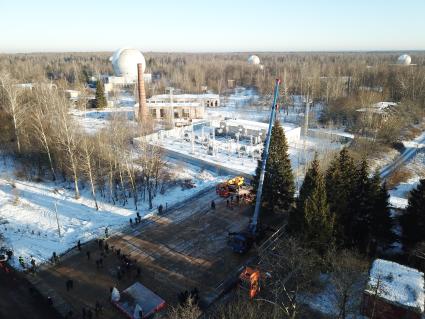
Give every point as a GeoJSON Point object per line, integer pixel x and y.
{"type": "Point", "coordinates": [230, 187]}
{"type": "Point", "coordinates": [250, 280]}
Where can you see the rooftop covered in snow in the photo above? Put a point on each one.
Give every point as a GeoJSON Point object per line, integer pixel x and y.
{"type": "Point", "coordinates": [380, 107]}
{"type": "Point", "coordinates": [397, 284]}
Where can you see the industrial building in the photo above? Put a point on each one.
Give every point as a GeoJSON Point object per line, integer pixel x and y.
{"type": "Point", "coordinates": [255, 131]}
{"type": "Point", "coordinates": [180, 108]}
{"type": "Point", "coordinates": [124, 62]}
{"type": "Point", "coordinates": [393, 291]}
{"type": "Point", "coordinates": [205, 100]}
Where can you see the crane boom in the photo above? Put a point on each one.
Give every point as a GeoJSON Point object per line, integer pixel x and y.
{"type": "Point", "coordinates": [254, 222]}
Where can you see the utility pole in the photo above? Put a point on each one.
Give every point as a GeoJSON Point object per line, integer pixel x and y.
{"type": "Point", "coordinates": [171, 89]}
{"type": "Point", "coordinates": [306, 114]}
{"type": "Point", "coordinates": [57, 219]}
{"type": "Point", "coordinates": [193, 139]}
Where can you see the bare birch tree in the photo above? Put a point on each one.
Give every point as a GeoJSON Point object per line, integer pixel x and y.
{"type": "Point", "coordinates": [9, 98]}
{"type": "Point", "coordinates": [67, 138]}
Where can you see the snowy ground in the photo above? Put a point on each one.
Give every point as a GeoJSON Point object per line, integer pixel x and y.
{"type": "Point", "coordinates": [244, 103]}
{"type": "Point", "coordinates": [327, 299]}
{"type": "Point", "coordinates": [227, 157]}
{"type": "Point", "coordinates": [416, 167]}
{"type": "Point", "coordinates": [28, 216]}
{"type": "Point", "coordinates": [93, 120]}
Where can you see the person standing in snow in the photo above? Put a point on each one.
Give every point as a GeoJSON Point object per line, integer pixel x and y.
{"type": "Point", "coordinates": [21, 261]}
{"type": "Point", "coordinates": [106, 232]}
{"type": "Point", "coordinates": [212, 205]}
{"type": "Point", "coordinates": [33, 265]}
{"type": "Point", "coordinates": [79, 245]}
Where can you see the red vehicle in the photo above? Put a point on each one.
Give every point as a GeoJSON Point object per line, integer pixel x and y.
{"type": "Point", "coordinates": [230, 187]}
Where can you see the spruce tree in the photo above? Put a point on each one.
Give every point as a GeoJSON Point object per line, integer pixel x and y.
{"type": "Point", "coordinates": [339, 190]}
{"type": "Point", "coordinates": [361, 206]}
{"type": "Point", "coordinates": [278, 188]}
{"type": "Point", "coordinates": [312, 219]}
{"type": "Point", "coordinates": [100, 95]}
{"type": "Point", "coordinates": [380, 220]}
{"type": "Point", "coordinates": [413, 220]}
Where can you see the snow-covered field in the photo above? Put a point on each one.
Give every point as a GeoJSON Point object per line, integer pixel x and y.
{"type": "Point", "coordinates": [30, 212]}
{"type": "Point", "coordinates": [243, 163]}
{"type": "Point", "coordinates": [93, 120]}
{"type": "Point", "coordinates": [327, 299]}
{"type": "Point", "coordinates": [39, 218]}
{"type": "Point", "coordinates": [416, 167]}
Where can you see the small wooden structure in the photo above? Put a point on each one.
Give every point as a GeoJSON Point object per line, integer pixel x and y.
{"type": "Point", "coordinates": [393, 291]}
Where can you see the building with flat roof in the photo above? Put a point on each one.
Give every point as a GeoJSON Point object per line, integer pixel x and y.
{"type": "Point", "coordinates": [206, 99]}
{"type": "Point", "coordinates": [180, 109]}
{"type": "Point", "coordinates": [393, 291]}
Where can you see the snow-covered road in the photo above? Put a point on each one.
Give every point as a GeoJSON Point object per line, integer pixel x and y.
{"type": "Point", "coordinates": [410, 151]}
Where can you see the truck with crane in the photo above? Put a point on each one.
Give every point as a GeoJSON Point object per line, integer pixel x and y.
{"type": "Point", "coordinates": [241, 242]}
{"type": "Point", "coordinates": [230, 187]}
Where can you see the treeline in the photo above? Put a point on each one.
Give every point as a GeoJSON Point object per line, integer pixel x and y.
{"type": "Point", "coordinates": [337, 223]}
{"type": "Point", "coordinates": [346, 82]}
{"type": "Point", "coordinates": [37, 128]}
{"type": "Point", "coordinates": [345, 206]}
{"type": "Point", "coordinates": [324, 76]}
{"type": "Point", "coordinates": [342, 207]}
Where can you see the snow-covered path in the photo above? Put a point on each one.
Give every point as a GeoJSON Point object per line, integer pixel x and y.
{"type": "Point", "coordinates": [410, 151]}
{"type": "Point", "coordinates": [29, 223]}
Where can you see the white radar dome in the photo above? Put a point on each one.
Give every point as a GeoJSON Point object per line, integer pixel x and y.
{"type": "Point", "coordinates": [253, 59]}
{"type": "Point", "coordinates": [404, 59]}
{"type": "Point", "coordinates": [125, 60]}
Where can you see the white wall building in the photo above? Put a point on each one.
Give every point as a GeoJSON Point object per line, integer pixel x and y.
{"type": "Point", "coordinates": [124, 62]}
{"type": "Point", "coordinates": [256, 130]}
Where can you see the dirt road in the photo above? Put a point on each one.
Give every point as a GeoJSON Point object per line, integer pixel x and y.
{"type": "Point", "coordinates": [19, 301]}
{"type": "Point", "coordinates": [180, 250]}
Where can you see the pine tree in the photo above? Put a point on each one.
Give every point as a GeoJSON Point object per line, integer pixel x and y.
{"type": "Point", "coordinates": [278, 188]}
{"type": "Point", "coordinates": [413, 220]}
{"type": "Point", "coordinates": [100, 95]}
{"type": "Point", "coordinates": [339, 190]}
{"type": "Point", "coordinates": [380, 220]}
{"type": "Point", "coordinates": [361, 206]}
{"type": "Point", "coordinates": [312, 220]}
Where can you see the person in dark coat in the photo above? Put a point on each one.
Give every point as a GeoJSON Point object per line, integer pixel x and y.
{"type": "Point", "coordinates": [213, 205]}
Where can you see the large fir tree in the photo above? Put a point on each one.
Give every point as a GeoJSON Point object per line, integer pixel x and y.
{"type": "Point", "coordinates": [100, 95]}
{"type": "Point", "coordinates": [339, 190]}
{"type": "Point", "coordinates": [279, 188]}
{"type": "Point", "coordinates": [312, 219]}
{"type": "Point", "coordinates": [380, 220]}
{"type": "Point", "coordinates": [413, 220]}
{"type": "Point", "coordinates": [361, 206]}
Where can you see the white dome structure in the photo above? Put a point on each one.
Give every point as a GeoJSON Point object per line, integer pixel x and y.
{"type": "Point", "coordinates": [254, 60]}
{"type": "Point", "coordinates": [404, 59]}
{"type": "Point", "coordinates": [125, 60]}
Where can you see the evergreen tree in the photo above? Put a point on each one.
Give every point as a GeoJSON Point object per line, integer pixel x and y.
{"type": "Point", "coordinates": [100, 95]}
{"type": "Point", "coordinates": [278, 188]}
{"type": "Point", "coordinates": [312, 220]}
{"type": "Point", "coordinates": [340, 178]}
{"type": "Point", "coordinates": [361, 206]}
{"type": "Point", "coordinates": [413, 220]}
{"type": "Point", "coordinates": [380, 220]}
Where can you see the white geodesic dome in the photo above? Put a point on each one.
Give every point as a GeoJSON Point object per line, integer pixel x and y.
{"type": "Point", "coordinates": [125, 60]}
{"type": "Point", "coordinates": [404, 59]}
{"type": "Point", "coordinates": [254, 60]}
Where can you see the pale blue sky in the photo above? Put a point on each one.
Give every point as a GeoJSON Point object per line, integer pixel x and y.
{"type": "Point", "coordinates": [206, 25]}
